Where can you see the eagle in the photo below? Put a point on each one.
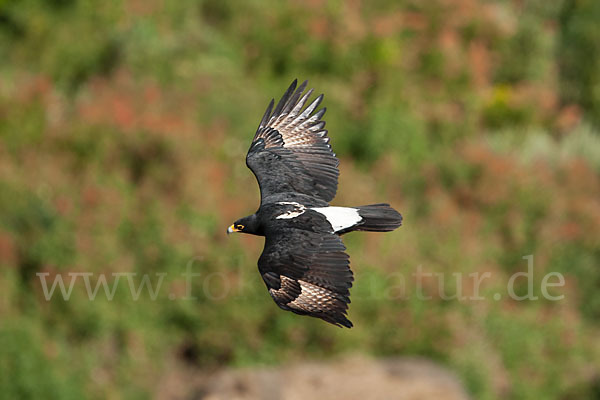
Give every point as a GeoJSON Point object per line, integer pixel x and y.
{"type": "Point", "coordinates": [304, 264]}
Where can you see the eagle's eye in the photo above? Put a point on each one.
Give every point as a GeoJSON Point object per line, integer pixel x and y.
{"type": "Point", "coordinates": [240, 227]}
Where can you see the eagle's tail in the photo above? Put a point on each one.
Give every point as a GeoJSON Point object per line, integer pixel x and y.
{"type": "Point", "coordinates": [378, 218]}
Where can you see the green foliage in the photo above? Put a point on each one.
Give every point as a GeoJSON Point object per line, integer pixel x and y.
{"type": "Point", "coordinates": [123, 130]}
{"type": "Point", "coordinates": [579, 60]}
{"type": "Point", "coordinates": [26, 372]}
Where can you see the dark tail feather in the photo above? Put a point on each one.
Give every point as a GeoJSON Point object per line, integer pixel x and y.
{"type": "Point", "coordinates": [378, 218]}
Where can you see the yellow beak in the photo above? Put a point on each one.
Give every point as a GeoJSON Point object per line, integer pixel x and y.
{"type": "Point", "coordinates": [232, 229]}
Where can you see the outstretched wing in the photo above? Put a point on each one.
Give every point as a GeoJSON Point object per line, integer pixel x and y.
{"type": "Point", "coordinates": [290, 152]}
{"type": "Point", "coordinates": [308, 273]}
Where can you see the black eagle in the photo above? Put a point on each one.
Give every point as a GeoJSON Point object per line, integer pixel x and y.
{"type": "Point", "coordinates": [303, 263]}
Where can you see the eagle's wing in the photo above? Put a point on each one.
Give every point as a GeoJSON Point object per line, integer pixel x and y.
{"type": "Point", "coordinates": [308, 273]}
{"type": "Point", "coordinates": [290, 151]}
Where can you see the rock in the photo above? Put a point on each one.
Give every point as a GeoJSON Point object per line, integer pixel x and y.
{"type": "Point", "coordinates": [356, 378]}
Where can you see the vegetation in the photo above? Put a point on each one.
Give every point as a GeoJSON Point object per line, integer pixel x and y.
{"type": "Point", "coordinates": [123, 131]}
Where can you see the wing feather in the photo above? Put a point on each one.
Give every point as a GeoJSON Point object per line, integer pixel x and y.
{"type": "Point", "coordinates": [290, 152]}
{"type": "Point", "coordinates": [308, 273]}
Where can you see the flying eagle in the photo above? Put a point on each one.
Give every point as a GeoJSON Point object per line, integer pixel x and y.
{"type": "Point", "coordinates": [303, 263]}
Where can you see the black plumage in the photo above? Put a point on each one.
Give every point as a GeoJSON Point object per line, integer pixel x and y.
{"type": "Point", "coordinates": [304, 264]}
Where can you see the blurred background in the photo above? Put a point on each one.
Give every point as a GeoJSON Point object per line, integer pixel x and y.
{"type": "Point", "coordinates": [123, 131]}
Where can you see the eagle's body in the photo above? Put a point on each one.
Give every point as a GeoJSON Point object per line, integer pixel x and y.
{"type": "Point", "coordinates": [303, 263]}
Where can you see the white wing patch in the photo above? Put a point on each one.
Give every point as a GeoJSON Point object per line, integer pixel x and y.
{"type": "Point", "coordinates": [299, 209]}
{"type": "Point", "coordinates": [340, 218]}
{"type": "Point", "coordinates": [290, 214]}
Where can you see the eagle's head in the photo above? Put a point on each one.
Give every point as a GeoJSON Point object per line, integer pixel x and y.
{"type": "Point", "coordinates": [247, 224]}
